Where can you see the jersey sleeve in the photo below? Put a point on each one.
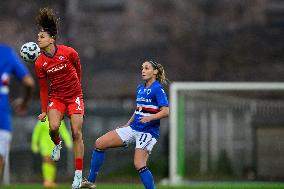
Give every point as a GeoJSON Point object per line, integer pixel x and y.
{"type": "Point", "coordinates": [43, 93]}
{"type": "Point", "coordinates": [161, 97]}
{"type": "Point", "coordinates": [40, 73]}
{"type": "Point", "coordinates": [43, 84]}
{"type": "Point", "coordinates": [75, 59]}
{"type": "Point", "coordinates": [19, 69]}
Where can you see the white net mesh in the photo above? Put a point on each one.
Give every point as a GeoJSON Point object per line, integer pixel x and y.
{"type": "Point", "coordinates": [224, 133]}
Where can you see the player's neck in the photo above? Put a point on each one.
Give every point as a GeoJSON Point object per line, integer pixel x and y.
{"type": "Point", "coordinates": [150, 82]}
{"type": "Point", "coordinates": [50, 50]}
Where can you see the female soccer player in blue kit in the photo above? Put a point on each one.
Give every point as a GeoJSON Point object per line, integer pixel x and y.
{"type": "Point", "coordinates": [142, 128]}
{"type": "Point", "coordinates": [11, 64]}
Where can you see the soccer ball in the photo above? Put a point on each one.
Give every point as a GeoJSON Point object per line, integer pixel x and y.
{"type": "Point", "coordinates": [30, 51]}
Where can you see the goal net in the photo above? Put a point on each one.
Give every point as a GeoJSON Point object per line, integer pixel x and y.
{"type": "Point", "coordinates": [222, 131]}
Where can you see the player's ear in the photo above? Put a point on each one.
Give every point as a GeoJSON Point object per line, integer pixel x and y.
{"type": "Point", "coordinates": [156, 72]}
{"type": "Point", "coordinates": [51, 40]}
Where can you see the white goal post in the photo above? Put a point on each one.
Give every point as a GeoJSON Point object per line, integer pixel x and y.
{"type": "Point", "coordinates": [175, 177]}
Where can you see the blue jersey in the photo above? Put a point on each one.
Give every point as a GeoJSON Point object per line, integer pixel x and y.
{"type": "Point", "coordinates": [149, 100]}
{"type": "Point", "coordinates": [10, 64]}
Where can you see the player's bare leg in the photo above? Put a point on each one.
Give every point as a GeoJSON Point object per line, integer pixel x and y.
{"type": "Point", "coordinates": [109, 140]}
{"type": "Point", "coordinates": [141, 157]}
{"type": "Point", "coordinates": [76, 128]}
{"type": "Point", "coordinates": [55, 118]}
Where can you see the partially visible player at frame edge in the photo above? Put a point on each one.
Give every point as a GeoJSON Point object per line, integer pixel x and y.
{"type": "Point", "coordinates": [142, 128]}
{"type": "Point", "coordinates": [11, 64]}
{"type": "Point", "coordinates": [60, 66]}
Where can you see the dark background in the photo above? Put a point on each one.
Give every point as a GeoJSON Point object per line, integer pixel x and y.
{"type": "Point", "coordinates": [195, 40]}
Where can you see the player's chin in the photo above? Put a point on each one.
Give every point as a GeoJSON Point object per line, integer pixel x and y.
{"type": "Point", "coordinates": [41, 45]}
{"type": "Point", "coordinates": [144, 78]}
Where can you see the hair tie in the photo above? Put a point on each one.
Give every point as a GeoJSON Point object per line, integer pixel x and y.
{"type": "Point", "coordinates": [154, 64]}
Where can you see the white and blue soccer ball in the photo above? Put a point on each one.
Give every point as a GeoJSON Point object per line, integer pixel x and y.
{"type": "Point", "coordinates": [30, 51]}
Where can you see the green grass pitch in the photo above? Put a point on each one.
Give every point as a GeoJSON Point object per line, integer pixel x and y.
{"type": "Point", "coordinates": [225, 185]}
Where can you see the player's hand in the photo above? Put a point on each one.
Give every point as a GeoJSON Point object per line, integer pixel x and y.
{"type": "Point", "coordinates": [20, 106]}
{"type": "Point", "coordinates": [145, 119]}
{"type": "Point", "coordinates": [42, 117]}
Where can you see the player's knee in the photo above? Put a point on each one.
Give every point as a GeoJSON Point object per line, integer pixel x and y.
{"type": "Point", "coordinates": [53, 127]}
{"type": "Point", "coordinates": [53, 132]}
{"type": "Point", "coordinates": [76, 135]}
{"type": "Point", "coordinates": [99, 144]}
{"type": "Point", "coordinates": [138, 164]}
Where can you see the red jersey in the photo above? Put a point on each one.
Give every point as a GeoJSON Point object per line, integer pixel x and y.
{"type": "Point", "coordinates": [63, 71]}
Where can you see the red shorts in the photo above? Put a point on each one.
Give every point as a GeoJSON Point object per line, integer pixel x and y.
{"type": "Point", "coordinates": [73, 106]}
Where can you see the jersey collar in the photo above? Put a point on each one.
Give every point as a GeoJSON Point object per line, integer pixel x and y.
{"type": "Point", "coordinates": [56, 48]}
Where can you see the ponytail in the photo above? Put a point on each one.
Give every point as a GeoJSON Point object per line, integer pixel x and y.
{"type": "Point", "coordinates": [161, 76]}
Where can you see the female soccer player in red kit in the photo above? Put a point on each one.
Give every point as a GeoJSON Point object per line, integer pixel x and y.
{"type": "Point", "coordinates": [58, 69]}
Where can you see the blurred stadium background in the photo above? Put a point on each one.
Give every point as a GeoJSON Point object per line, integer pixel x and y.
{"type": "Point", "coordinates": [195, 40]}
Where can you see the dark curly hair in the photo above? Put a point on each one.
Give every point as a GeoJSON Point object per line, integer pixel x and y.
{"type": "Point", "coordinates": [47, 21]}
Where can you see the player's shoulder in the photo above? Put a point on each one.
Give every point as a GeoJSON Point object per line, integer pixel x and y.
{"type": "Point", "coordinates": [5, 49]}
{"type": "Point", "coordinates": [156, 85]}
{"type": "Point", "coordinates": [65, 48]}
{"type": "Point", "coordinates": [140, 85]}
{"type": "Point", "coordinates": [40, 60]}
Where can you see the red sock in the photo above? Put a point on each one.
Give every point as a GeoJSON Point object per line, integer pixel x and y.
{"type": "Point", "coordinates": [57, 139]}
{"type": "Point", "coordinates": [78, 164]}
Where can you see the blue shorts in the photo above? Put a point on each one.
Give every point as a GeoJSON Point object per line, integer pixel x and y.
{"type": "Point", "coordinates": [5, 121]}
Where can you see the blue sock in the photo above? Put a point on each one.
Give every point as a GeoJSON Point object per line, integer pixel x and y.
{"type": "Point", "coordinates": [96, 163]}
{"type": "Point", "coordinates": [147, 178]}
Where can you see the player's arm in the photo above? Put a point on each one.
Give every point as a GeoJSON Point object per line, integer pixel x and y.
{"type": "Point", "coordinates": [164, 112]}
{"type": "Point", "coordinates": [43, 97]}
{"type": "Point", "coordinates": [77, 63]}
{"type": "Point", "coordinates": [129, 121]}
{"type": "Point", "coordinates": [43, 87]}
{"type": "Point", "coordinates": [162, 100]}
{"type": "Point", "coordinates": [78, 68]}
{"type": "Point", "coordinates": [22, 74]}
{"type": "Point", "coordinates": [29, 84]}
{"type": "Point", "coordinates": [21, 104]}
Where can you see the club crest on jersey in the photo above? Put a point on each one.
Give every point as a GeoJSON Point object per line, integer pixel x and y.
{"type": "Point", "coordinates": [51, 104]}
{"type": "Point", "coordinates": [61, 57]}
{"type": "Point", "coordinates": [5, 79]}
{"type": "Point", "coordinates": [148, 91]}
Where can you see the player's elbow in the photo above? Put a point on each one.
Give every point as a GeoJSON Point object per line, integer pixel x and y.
{"type": "Point", "coordinates": [166, 111]}
{"type": "Point", "coordinates": [28, 81]}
